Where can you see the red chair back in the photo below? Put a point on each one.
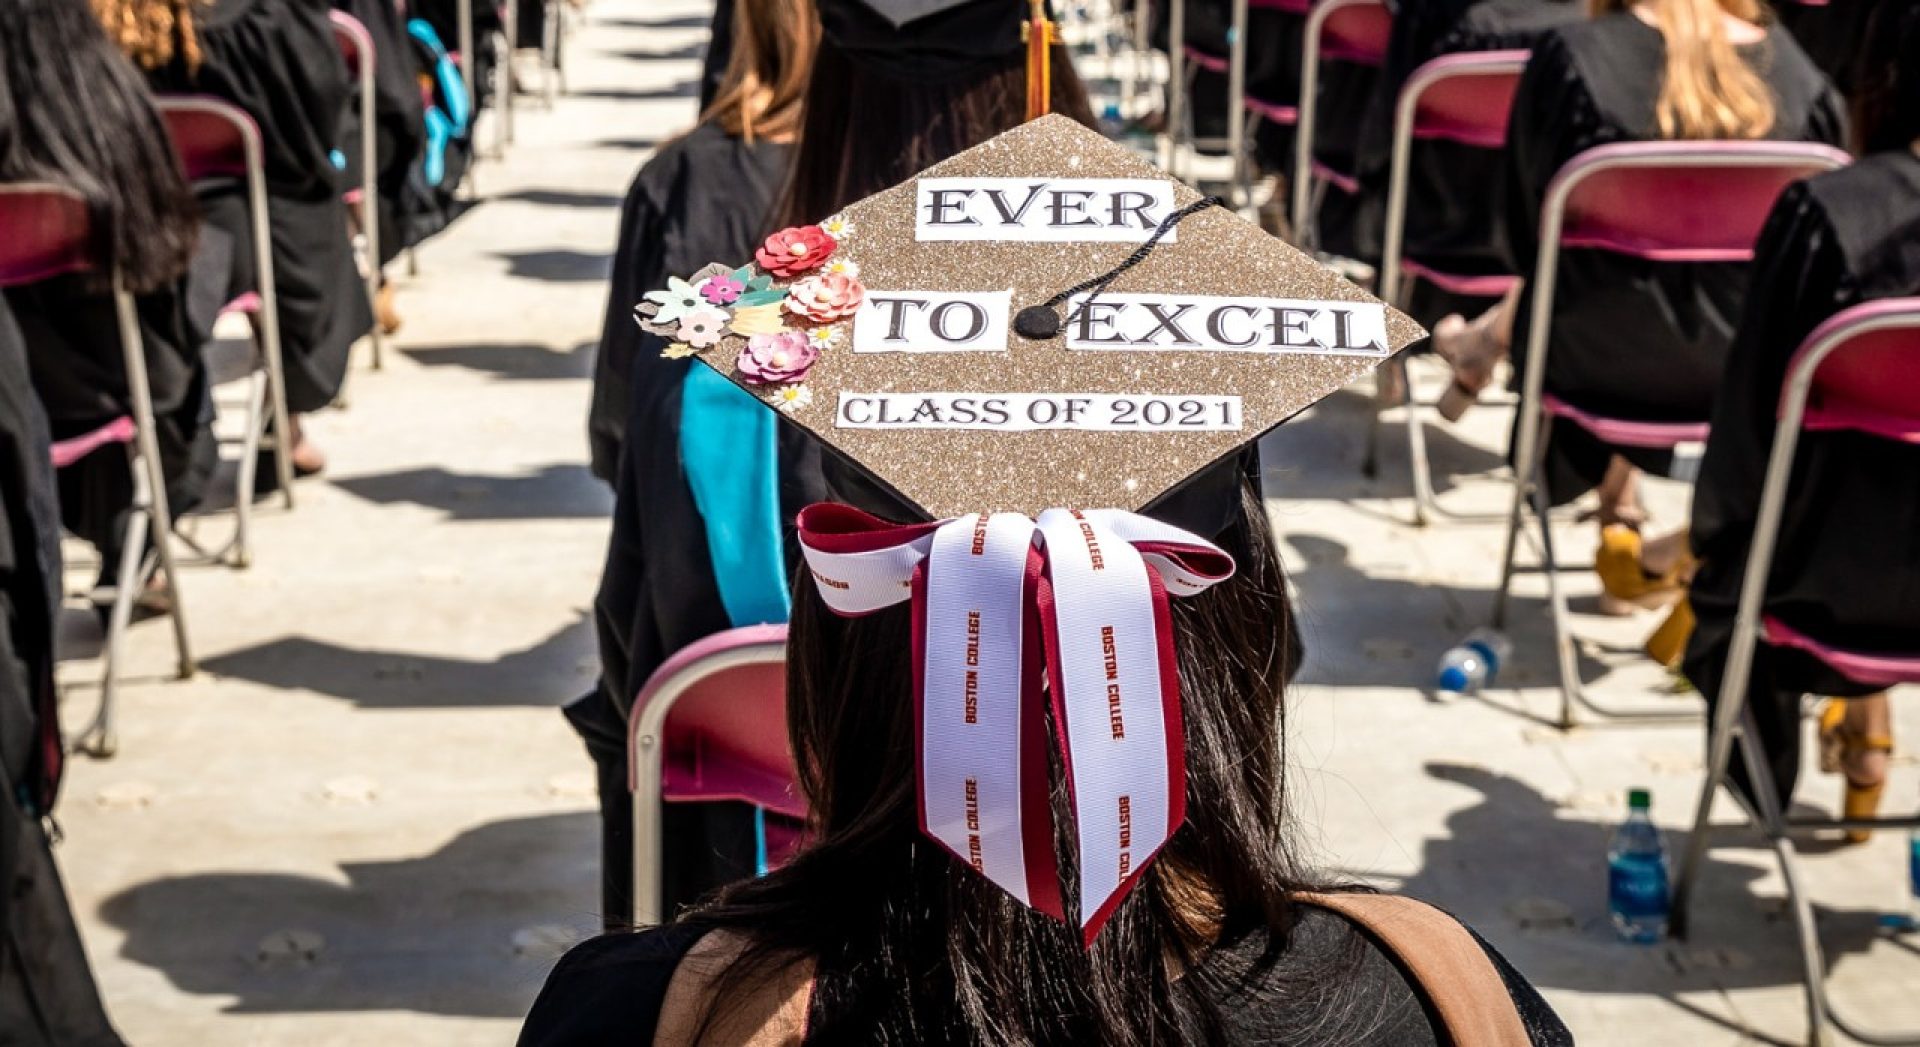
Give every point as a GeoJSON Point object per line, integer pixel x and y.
{"type": "Point", "coordinates": [1869, 378]}
{"type": "Point", "coordinates": [46, 230]}
{"type": "Point", "coordinates": [1466, 98]}
{"type": "Point", "coordinates": [725, 735]}
{"type": "Point", "coordinates": [210, 136]}
{"type": "Point", "coordinates": [1357, 33]}
{"type": "Point", "coordinates": [1681, 201]}
{"type": "Point", "coordinates": [1291, 7]}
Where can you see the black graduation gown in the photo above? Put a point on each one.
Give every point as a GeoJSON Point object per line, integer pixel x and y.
{"type": "Point", "coordinates": [1850, 533]}
{"type": "Point", "coordinates": [703, 198]}
{"type": "Point", "coordinates": [1638, 339]}
{"type": "Point", "coordinates": [611, 990]}
{"type": "Point", "coordinates": [400, 130]}
{"type": "Point", "coordinates": [1832, 33]}
{"type": "Point", "coordinates": [277, 60]}
{"type": "Point", "coordinates": [1450, 213]}
{"type": "Point", "coordinates": [47, 993]}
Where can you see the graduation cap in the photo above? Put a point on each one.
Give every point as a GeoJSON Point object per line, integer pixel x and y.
{"type": "Point", "coordinates": [926, 41]}
{"type": "Point", "coordinates": [1031, 342]}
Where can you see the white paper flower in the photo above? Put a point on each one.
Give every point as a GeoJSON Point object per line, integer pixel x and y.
{"type": "Point", "coordinates": [846, 267]}
{"type": "Point", "coordinates": [838, 227]}
{"type": "Point", "coordinates": [823, 338]}
{"type": "Point", "coordinates": [790, 398]}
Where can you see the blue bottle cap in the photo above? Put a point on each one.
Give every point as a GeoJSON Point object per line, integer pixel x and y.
{"type": "Point", "coordinates": [1454, 679]}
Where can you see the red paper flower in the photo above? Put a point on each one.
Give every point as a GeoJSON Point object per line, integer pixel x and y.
{"type": "Point", "coordinates": [825, 298]}
{"type": "Point", "coordinates": [791, 252]}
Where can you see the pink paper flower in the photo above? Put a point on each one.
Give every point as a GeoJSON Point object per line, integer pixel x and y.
{"type": "Point", "coordinates": [721, 289]}
{"type": "Point", "coordinates": [791, 252]}
{"type": "Point", "coordinates": [825, 298]}
{"type": "Point", "coordinates": [773, 359]}
{"type": "Point", "coordinates": [702, 327]}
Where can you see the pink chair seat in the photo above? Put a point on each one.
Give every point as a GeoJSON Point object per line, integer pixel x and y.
{"type": "Point", "coordinates": [1272, 111]}
{"type": "Point", "coordinates": [1212, 63]}
{"type": "Point", "coordinates": [1342, 181]}
{"type": "Point", "coordinates": [68, 451]}
{"type": "Point", "coordinates": [1484, 285]}
{"type": "Point", "coordinates": [246, 303]}
{"type": "Point", "coordinates": [1357, 34]}
{"type": "Point", "coordinates": [1461, 105]}
{"type": "Point", "coordinates": [1624, 433]}
{"type": "Point", "coordinates": [1873, 670]}
{"type": "Point", "coordinates": [726, 737]}
{"type": "Point", "coordinates": [1874, 385]}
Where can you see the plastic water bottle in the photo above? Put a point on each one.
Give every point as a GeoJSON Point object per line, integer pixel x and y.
{"type": "Point", "coordinates": [1473, 663]}
{"type": "Point", "coordinates": [1637, 896]}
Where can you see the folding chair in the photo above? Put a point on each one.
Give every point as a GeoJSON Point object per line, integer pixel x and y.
{"type": "Point", "coordinates": [356, 48]}
{"type": "Point", "coordinates": [215, 139]}
{"type": "Point", "coordinates": [1354, 31]}
{"type": "Point", "coordinates": [1462, 98]}
{"type": "Point", "coordinates": [1658, 201]}
{"type": "Point", "coordinates": [46, 231]}
{"type": "Point", "coordinates": [709, 725]}
{"type": "Point", "coordinates": [1859, 371]}
{"type": "Point", "coordinates": [1252, 111]}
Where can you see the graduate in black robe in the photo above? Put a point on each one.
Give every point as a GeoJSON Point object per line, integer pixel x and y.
{"type": "Point", "coordinates": [1642, 340]}
{"type": "Point", "coordinates": [1843, 571]}
{"type": "Point", "coordinates": [704, 197]}
{"type": "Point", "coordinates": [400, 130]}
{"type": "Point", "coordinates": [87, 121]}
{"type": "Point", "coordinates": [277, 60]}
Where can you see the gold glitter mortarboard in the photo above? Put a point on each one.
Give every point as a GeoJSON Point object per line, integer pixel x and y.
{"type": "Point", "coordinates": [892, 331]}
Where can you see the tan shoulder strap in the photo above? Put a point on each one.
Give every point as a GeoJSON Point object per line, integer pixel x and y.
{"type": "Point", "coordinates": [767, 1010]}
{"type": "Point", "coordinates": [1448, 966]}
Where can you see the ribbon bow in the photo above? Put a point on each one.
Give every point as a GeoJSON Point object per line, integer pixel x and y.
{"type": "Point", "coordinates": [1000, 603]}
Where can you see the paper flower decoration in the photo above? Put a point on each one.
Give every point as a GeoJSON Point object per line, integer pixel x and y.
{"type": "Point", "coordinates": [825, 298]}
{"type": "Point", "coordinates": [790, 398]}
{"type": "Point", "coordinates": [677, 351]}
{"type": "Point", "coordinates": [702, 327]}
{"type": "Point", "coordinates": [679, 299]}
{"type": "Point", "coordinates": [770, 359]}
{"type": "Point", "coordinates": [722, 289]}
{"type": "Point", "coordinates": [837, 227]}
{"type": "Point", "coordinates": [846, 267]}
{"type": "Point", "coordinates": [759, 319]}
{"type": "Point", "coordinates": [823, 338]}
{"type": "Point", "coordinates": [790, 252]}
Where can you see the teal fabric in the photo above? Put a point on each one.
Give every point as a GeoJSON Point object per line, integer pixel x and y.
{"type": "Point", "coordinates": [728, 453]}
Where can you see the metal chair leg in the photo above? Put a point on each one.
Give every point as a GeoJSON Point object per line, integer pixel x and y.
{"type": "Point", "coordinates": [249, 463]}
{"type": "Point", "coordinates": [1423, 498]}
{"type": "Point", "coordinates": [99, 739]}
{"type": "Point", "coordinates": [1564, 657]}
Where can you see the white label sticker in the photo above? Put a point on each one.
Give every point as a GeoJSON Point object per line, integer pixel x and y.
{"type": "Point", "coordinates": [1025, 412]}
{"type": "Point", "coordinates": [1208, 323]}
{"type": "Point", "coordinates": [1043, 210]}
{"type": "Point", "coordinates": [932, 322]}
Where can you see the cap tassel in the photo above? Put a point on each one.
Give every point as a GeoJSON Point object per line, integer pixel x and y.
{"type": "Point", "coordinates": [1040, 36]}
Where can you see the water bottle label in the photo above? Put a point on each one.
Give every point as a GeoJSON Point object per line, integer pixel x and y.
{"type": "Point", "coordinates": [1488, 657]}
{"type": "Point", "coordinates": [1637, 887]}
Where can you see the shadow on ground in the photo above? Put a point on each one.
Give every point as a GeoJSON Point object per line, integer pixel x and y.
{"type": "Point", "coordinates": [555, 492]}
{"type": "Point", "coordinates": [1319, 454]}
{"type": "Point", "coordinates": [492, 909]}
{"type": "Point", "coordinates": [683, 89]}
{"type": "Point", "coordinates": [510, 361]}
{"type": "Point", "coordinates": [678, 22]}
{"type": "Point", "coordinates": [560, 267]}
{"type": "Point", "coordinates": [1530, 875]}
{"type": "Point", "coordinates": [563, 198]}
{"type": "Point", "coordinates": [696, 51]}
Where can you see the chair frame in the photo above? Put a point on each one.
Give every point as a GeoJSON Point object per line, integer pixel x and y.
{"type": "Point", "coordinates": [1393, 277]}
{"type": "Point", "coordinates": [646, 751]}
{"type": "Point", "coordinates": [1529, 447]}
{"type": "Point", "coordinates": [348, 31]}
{"type": "Point", "coordinates": [1732, 721]}
{"type": "Point", "coordinates": [267, 327]}
{"type": "Point", "coordinates": [150, 510]}
{"type": "Point", "coordinates": [1305, 185]}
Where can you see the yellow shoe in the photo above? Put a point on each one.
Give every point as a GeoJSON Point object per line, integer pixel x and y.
{"type": "Point", "coordinates": [1668, 644]}
{"type": "Point", "coordinates": [1626, 586]}
{"type": "Point", "coordinates": [1840, 745]}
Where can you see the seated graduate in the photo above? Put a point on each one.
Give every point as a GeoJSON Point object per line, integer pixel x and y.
{"type": "Point", "coordinates": [72, 111]}
{"type": "Point", "coordinates": [1834, 241]}
{"type": "Point", "coordinates": [400, 132]}
{"type": "Point", "coordinates": [1042, 761]}
{"type": "Point", "coordinates": [47, 993]}
{"type": "Point", "coordinates": [705, 486]}
{"type": "Point", "coordinates": [277, 60]}
{"type": "Point", "coordinates": [1643, 339]}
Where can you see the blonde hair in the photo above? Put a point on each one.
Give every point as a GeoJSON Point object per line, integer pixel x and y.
{"type": "Point", "coordinates": [1708, 91]}
{"type": "Point", "coordinates": [765, 83]}
{"type": "Point", "coordinates": [151, 32]}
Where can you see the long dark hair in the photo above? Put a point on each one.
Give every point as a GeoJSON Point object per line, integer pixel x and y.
{"type": "Point", "coordinates": [909, 948]}
{"type": "Point", "coordinates": [865, 132]}
{"type": "Point", "coordinates": [1886, 76]}
{"type": "Point", "coordinates": [74, 110]}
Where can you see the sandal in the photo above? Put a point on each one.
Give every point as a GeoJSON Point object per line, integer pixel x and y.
{"type": "Point", "coordinates": [1473, 351]}
{"type": "Point", "coordinates": [1841, 745]}
{"type": "Point", "coordinates": [1668, 644]}
{"type": "Point", "coordinates": [1626, 584]}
